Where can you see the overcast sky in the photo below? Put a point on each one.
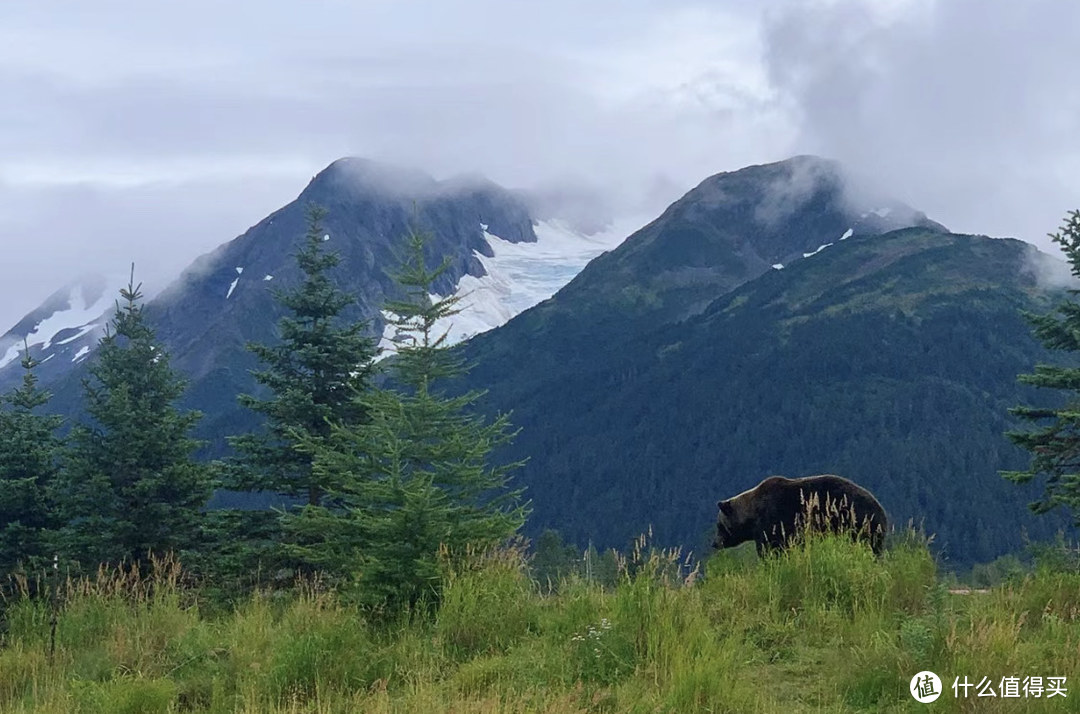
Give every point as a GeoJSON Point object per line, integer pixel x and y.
{"type": "Point", "coordinates": [155, 131]}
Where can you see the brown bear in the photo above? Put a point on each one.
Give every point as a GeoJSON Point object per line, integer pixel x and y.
{"type": "Point", "coordinates": [773, 512]}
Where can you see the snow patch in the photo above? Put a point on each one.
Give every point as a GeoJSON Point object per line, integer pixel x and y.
{"type": "Point", "coordinates": [882, 212]}
{"type": "Point", "coordinates": [84, 330]}
{"type": "Point", "coordinates": [519, 276]}
{"type": "Point", "coordinates": [326, 237]}
{"type": "Point", "coordinates": [819, 249]}
{"type": "Point", "coordinates": [232, 285]}
{"type": "Point", "coordinates": [81, 314]}
{"type": "Point", "coordinates": [268, 277]}
{"type": "Point", "coordinates": [847, 234]}
{"type": "Point", "coordinates": [13, 353]}
{"type": "Point", "coordinates": [778, 266]}
{"type": "Point", "coordinates": [83, 351]}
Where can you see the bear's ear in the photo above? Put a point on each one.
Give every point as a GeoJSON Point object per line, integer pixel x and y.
{"type": "Point", "coordinates": [725, 508]}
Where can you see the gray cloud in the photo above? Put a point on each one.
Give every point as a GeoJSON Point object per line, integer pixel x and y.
{"type": "Point", "coordinates": [1051, 271]}
{"type": "Point", "coordinates": [966, 109]}
{"type": "Point", "coordinates": [52, 234]}
{"type": "Point", "coordinates": [155, 132]}
{"type": "Point", "coordinates": [791, 190]}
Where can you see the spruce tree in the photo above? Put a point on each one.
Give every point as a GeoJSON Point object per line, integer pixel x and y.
{"type": "Point", "coordinates": [313, 375]}
{"type": "Point", "coordinates": [28, 467]}
{"type": "Point", "coordinates": [129, 486]}
{"type": "Point", "coordinates": [412, 484]}
{"type": "Point", "coordinates": [1055, 446]}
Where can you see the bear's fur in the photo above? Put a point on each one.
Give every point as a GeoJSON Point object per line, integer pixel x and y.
{"type": "Point", "coordinates": [774, 511]}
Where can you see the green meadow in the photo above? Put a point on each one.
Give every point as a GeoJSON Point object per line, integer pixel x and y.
{"type": "Point", "coordinates": [824, 627]}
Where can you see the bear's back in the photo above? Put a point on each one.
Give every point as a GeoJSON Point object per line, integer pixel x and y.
{"type": "Point", "coordinates": [783, 501]}
{"type": "Point", "coordinates": [835, 486]}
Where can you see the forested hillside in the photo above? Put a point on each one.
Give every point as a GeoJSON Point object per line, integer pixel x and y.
{"type": "Point", "coordinates": [891, 360]}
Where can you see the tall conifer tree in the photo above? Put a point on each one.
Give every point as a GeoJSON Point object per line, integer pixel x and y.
{"type": "Point", "coordinates": [1055, 446]}
{"type": "Point", "coordinates": [314, 375]}
{"type": "Point", "coordinates": [28, 466]}
{"type": "Point", "coordinates": [415, 478]}
{"type": "Point", "coordinates": [129, 486]}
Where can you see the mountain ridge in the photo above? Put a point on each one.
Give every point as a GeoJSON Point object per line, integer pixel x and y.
{"type": "Point", "coordinates": [499, 254]}
{"type": "Point", "coordinates": [895, 377]}
{"type": "Point", "coordinates": [371, 204]}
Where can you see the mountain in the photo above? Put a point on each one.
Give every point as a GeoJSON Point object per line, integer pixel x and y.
{"type": "Point", "coordinates": [64, 329]}
{"type": "Point", "coordinates": [502, 260]}
{"type": "Point", "coordinates": [686, 365]}
{"type": "Point", "coordinates": [733, 227]}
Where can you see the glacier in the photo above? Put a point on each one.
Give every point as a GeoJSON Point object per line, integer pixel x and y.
{"type": "Point", "coordinates": [519, 276]}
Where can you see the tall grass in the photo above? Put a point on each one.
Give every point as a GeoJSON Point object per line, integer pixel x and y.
{"type": "Point", "coordinates": [823, 627]}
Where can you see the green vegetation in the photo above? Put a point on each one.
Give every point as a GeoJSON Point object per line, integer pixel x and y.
{"type": "Point", "coordinates": [414, 479]}
{"type": "Point", "coordinates": [28, 446]}
{"type": "Point", "coordinates": [825, 627]}
{"type": "Point", "coordinates": [375, 484]}
{"type": "Point", "coordinates": [1054, 446]}
{"type": "Point", "coordinates": [128, 485]}
{"type": "Point", "coordinates": [315, 371]}
{"type": "Point", "coordinates": [313, 377]}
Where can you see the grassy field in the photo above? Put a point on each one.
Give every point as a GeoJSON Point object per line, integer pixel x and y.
{"type": "Point", "coordinates": [823, 628]}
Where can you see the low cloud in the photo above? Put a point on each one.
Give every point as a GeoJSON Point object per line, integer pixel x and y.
{"type": "Point", "coordinates": [795, 186]}
{"type": "Point", "coordinates": [121, 142]}
{"type": "Point", "coordinates": [966, 109]}
{"type": "Point", "coordinates": [141, 131]}
{"type": "Point", "coordinates": [1050, 271]}
{"type": "Point", "coordinates": [52, 234]}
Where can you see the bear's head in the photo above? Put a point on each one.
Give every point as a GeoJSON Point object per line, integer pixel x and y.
{"type": "Point", "coordinates": [729, 524]}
